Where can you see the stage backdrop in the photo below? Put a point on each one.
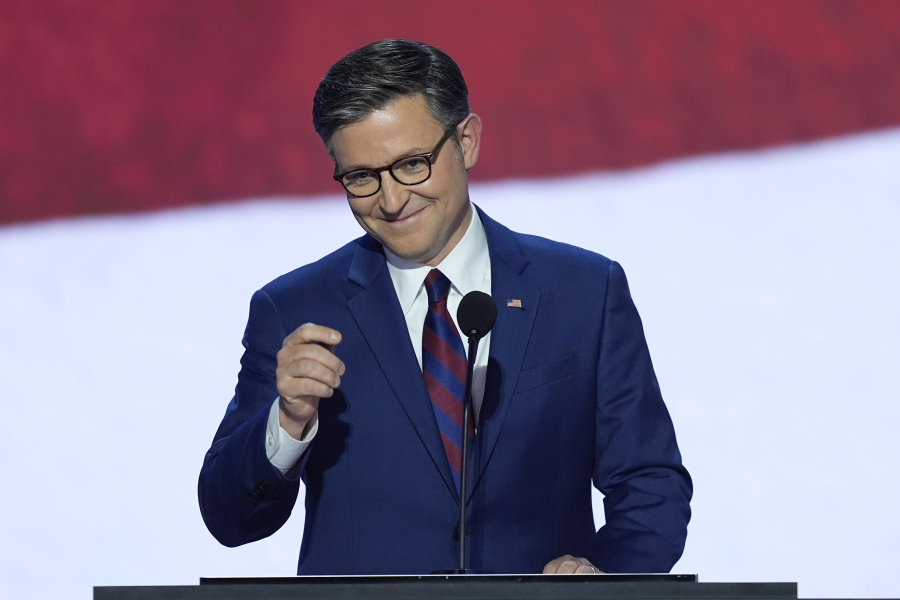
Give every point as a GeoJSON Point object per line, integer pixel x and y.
{"type": "Point", "coordinates": [131, 105]}
{"type": "Point", "coordinates": [740, 159]}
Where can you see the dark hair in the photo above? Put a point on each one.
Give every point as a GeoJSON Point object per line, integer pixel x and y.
{"type": "Point", "coordinates": [371, 78]}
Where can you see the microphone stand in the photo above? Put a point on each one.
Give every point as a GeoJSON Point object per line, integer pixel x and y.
{"type": "Point", "coordinates": [476, 316]}
{"type": "Point", "coordinates": [464, 468]}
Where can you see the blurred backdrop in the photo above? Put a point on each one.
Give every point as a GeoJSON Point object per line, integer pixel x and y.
{"type": "Point", "coordinates": [130, 106]}
{"type": "Point", "coordinates": [740, 159]}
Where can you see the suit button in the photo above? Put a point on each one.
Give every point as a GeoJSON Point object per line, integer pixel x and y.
{"type": "Point", "coordinates": [456, 532]}
{"type": "Point", "coordinates": [259, 491]}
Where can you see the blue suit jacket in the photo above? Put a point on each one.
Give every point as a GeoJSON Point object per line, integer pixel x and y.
{"type": "Point", "coordinates": [570, 398]}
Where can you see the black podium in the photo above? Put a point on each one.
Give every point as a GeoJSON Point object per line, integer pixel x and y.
{"type": "Point", "coordinates": [457, 587]}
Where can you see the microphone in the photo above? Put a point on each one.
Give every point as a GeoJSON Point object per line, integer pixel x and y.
{"type": "Point", "coordinates": [476, 315]}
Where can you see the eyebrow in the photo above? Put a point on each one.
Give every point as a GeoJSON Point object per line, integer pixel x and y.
{"type": "Point", "coordinates": [406, 154]}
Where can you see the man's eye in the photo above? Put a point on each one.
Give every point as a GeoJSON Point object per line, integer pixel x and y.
{"type": "Point", "coordinates": [414, 164]}
{"type": "Point", "coordinates": [359, 178]}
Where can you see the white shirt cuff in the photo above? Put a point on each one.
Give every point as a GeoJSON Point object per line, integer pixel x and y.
{"type": "Point", "coordinates": [282, 450]}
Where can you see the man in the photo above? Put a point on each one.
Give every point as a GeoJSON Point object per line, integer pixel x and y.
{"type": "Point", "coordinates": [342, 379]}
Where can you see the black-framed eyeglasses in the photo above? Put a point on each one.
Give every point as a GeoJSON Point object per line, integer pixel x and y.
{"type": "Point", "coordinates": [409, 170]}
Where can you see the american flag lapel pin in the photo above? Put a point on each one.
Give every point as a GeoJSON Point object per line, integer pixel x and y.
{"type": "Point", "coordinates": [514, 303]}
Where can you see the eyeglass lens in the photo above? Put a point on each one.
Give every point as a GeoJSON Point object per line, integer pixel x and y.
{"type": "Point", "coordinates": [408, 171]}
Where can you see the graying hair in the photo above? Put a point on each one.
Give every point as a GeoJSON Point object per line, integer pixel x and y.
{"type": "Point", "coordinates": [375, 76]}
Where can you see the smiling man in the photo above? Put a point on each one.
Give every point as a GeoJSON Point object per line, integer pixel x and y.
{"type": "Point", "coordinates": [347, 384]}
{"type": "Point", "coordinates": [423, 222]}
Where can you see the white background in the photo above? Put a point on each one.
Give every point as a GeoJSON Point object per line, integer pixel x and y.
{"type": "Point", "coordinates": [769, 285]}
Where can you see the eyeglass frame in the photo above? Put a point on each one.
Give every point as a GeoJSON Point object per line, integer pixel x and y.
{"type": "Point", "coordinates": [430, 157]}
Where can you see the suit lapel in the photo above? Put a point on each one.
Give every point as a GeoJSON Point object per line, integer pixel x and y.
{"type": "Point", "coordinates": [386, 333]}
{"type": "Point", "coordinates": [509, 337]}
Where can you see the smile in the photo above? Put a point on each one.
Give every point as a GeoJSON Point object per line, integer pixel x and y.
{"type": "Point", "coordinates": [403, 220]}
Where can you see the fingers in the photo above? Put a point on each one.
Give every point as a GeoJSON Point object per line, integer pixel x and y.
{"type": "Point", "coordinates": [587, 569]}
{"type": "Point", "coordinates": [307, 370]}
{"type": "Point", "coordinates": [308, 352]}
{"type": "Point", "coordinates": [307, 376]}
{"type": "Point", "coordinates": [310, 332]}
{"type": "Point", "coordinates": [570, 565]}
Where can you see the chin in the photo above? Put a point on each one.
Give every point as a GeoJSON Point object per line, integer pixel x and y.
{"type": "Point", "coordinates": [421, 256]}
{"type": "Point", "coordinates": [406, 249]}
{"type": "Point", "coordinates": [411, 255]}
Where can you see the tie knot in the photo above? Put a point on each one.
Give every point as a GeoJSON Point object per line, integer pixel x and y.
{"type": "Point", "coordinates": [437, 286]}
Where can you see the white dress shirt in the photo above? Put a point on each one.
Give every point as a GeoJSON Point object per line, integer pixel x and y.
{"type": "Point", "coordinates": [468, 267]}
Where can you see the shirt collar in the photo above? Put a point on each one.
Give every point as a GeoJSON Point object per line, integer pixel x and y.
{"type": "Point", "coordinates": [465, 266]}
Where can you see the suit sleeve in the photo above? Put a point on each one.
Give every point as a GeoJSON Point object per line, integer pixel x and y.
{"type": "Point", "coordinates": [637, 466]}
{"type": "Point", "coordinates": [243, 497]}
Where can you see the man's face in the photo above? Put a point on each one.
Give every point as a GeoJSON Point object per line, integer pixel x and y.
{"type": "Point", "coordinates": [421, 223]}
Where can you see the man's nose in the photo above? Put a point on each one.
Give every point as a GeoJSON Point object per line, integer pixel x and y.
{"type": "Point", "coordinates": [393, 194]}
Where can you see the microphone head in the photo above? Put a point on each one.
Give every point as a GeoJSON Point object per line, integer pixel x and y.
{"type": "Point", "coordinates": [476, 314]}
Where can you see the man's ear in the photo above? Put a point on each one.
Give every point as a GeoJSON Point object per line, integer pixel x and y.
{"type": "Point", "coordinates": [470, 139]}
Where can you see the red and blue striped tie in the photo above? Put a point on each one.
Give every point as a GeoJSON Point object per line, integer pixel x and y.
{"type": "Point", "coordinates": [444, 368]}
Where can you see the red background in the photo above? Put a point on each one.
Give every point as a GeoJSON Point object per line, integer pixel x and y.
{"type": "Point", "coordinates": [132, 105]}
